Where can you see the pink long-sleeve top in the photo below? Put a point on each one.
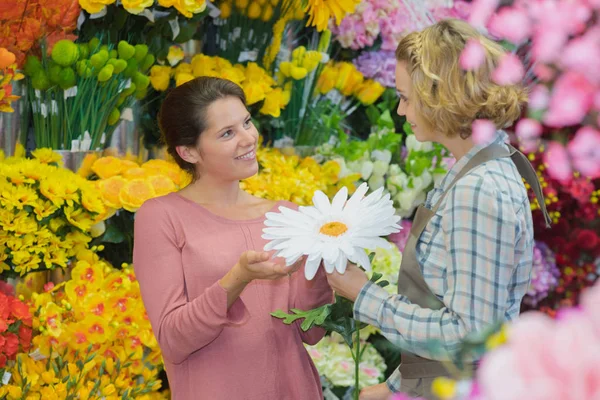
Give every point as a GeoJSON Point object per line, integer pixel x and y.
{"type": "Point", "coordinates": [181, 250]}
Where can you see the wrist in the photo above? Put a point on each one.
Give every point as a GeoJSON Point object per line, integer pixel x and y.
{"type": "Point", "coordinates": [234, 279]}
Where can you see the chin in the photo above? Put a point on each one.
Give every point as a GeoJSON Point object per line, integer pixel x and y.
{"type": "Point", "coordinates": [422, 137]}
{"type": "Point", "coordinates": [248, 172]}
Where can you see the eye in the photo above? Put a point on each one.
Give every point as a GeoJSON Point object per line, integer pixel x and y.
{"type": "Point", "coordinates": [227, 133]}
{"type": "Point", "coordinates": [247, 123]}
{"type": "Point", "coordinates": [401, 96]}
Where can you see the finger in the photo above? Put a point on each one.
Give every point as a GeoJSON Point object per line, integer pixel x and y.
{"type": "Point", "coordinates": [254, 257]}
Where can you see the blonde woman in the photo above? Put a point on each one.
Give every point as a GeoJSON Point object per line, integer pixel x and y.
{"type": "Point", "coordinates": [469, 258]}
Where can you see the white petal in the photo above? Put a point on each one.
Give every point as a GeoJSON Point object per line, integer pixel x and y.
{"type": "Point", "coordinates": [369, 242]}
{"type": "Point", "coordinates": [321, 202]}
{"type": "Point", "coordinates": [363, 259]}
{"type": "Point", "coordinates": [274, 243]}
{"type": "Point", "coordinates": [341, 263]}
{"type": "Point", "coordinates": [310, 270]}
{"type": "Point", "coordinates": [291, 260]}
{"type": "Point", "coordinates": [329, 267]}
{"type": "Point", "coordinates": [312, 265]}
{"type": "Point", "coordinates": [356, 198]}
{"type": "Point", "coordinates": [311, 212]}
{"type": "Point", "coordinates": [339, 200]}
{"type": "Point", "coordinates": [285, 232]}
{"type": "Point", "coordinates": [330, 253]}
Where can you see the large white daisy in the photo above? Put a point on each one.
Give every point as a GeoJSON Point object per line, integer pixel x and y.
{"type": "Point", "coordinates": [335, 232]}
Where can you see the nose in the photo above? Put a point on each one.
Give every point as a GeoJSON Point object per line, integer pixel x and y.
{"type": "Point", "coordinates": [401, 108]}
{"type": "Point", "coordinates": [248, 137]}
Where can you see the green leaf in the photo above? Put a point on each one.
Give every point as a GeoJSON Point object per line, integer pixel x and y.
{"type": "Point", "coordinates": [373, 114]}
{"type": "Point", "coordinates": [312, 317]}
{"type": "Point", "coordinates": [113, 234]}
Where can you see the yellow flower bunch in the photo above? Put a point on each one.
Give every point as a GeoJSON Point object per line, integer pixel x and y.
{"type": "Point", "coordinates": [292, 10]}
{"type": "Point", "coordinates": [47, 213]}
{"type": "Point", "coordinates": [320, 11]}
{"type": "Point", "coordinates": [95, 340]}
{"type": "Point", "coordinates": [125, 184]}
{"type": "Point", "coordinates": [302, 63]}
{"type": "Point", "coordinates": [349, 81]}
{"type": "Point", "coordinates": [8, 74]}
{"type": "Point", "coordinates": [289, 177]}
{"type": "Point", "coordinates": [186, 7]}
{"type": "Point", "coordinates": [257, 84]}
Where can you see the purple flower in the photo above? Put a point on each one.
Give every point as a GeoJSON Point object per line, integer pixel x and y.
{"type": "Point", "coordinates": [544, 275]}
{"type": "Point", "coordinates": [379, 66]}
{"type": "Point", "coordinates": [400, 238]}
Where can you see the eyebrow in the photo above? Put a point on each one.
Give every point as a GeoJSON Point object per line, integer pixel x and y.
{"type": "Point", "coordinates": [231, 126]}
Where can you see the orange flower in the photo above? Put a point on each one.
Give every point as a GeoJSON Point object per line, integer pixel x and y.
{"type": "Point", "coordinates": [135, 193]}
{"type": "Point", "coordinates": [135, 173]}
{"type": "Point", "coordinates": [111, 189]}
{"type": "Point", "coordinates": [162, 184]}
{"type": "Point", "coordinates": [107, 167]}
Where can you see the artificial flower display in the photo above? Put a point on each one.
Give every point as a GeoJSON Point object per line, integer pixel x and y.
{"type": "Point", "coordinates": [47, 214]}
{"type": "Point", "coordinates": [126, 184]}
{"type": "Point", "coordinates": [562, 63]}
{"type": "Point", "coordinates": [79, 92]}
{"type": "Point", "coordinates": [94, 341]}
{"type": "Point", "coordinates": [257, 84]}
{"type": "Point", "coordinates": [15, 329]}
{"type": "Point", "coordinates": [8, 74]}
{"type": "Point", "coordinates": [333, 359]}
{"type": "Point", "coordinates": [292, 178]}
{"type": "Point", "coordinates": [28, 26]}
{"type": "Point", "coordinates": [187, 8]}
{"type": "Point", "coordinates": [333, 232]}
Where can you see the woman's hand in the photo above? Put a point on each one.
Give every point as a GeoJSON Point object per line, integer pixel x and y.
{"type": "Point", "coordinates": [259, 265]}
{"type": "Point", "coordinates": [349, 283]}
{"type": "Point", "coordinates": [254, 265]}
{"type": "Point", "coordinates": [377, 392]}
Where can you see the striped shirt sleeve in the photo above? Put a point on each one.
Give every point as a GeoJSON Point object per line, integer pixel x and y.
{"type": "Point", "coordinates": [479, 229]}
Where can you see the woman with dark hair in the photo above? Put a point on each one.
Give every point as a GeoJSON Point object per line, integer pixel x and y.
{"type": "Point", "coordinates": [207, 286]}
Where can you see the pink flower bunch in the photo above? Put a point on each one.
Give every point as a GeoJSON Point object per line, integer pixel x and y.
{"type": "Point", "coordinates": [564, 40]}
{"type": "Point", "coordinates": [390, 19]}
{"type": "Point", "coordinates": [547, 358]}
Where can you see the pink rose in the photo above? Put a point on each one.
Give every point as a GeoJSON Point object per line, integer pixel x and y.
{"type": "Point", "coordinates": [572, 98]}
{"type": "Point", "coordinates": [512, 24]}
{"type": "Point", "coordinates": [472, 56]}
{"type": "Point", "coordinates": [556, 160]}
{"type": "Point", "coordinates": [585, 152]}
{"type": "Point", "coordinates": [510, 70]}
{"type": "Point", "coordinates": [484, 131]}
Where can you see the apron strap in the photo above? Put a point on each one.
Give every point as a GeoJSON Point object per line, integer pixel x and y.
{"type": "Point", "coordinates": [523, 165]}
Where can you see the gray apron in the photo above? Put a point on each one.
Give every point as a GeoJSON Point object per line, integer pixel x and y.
{"type": "Point", "coordinates": [417, 372]}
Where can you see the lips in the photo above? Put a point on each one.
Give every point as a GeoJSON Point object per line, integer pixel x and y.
{"type": "Point", "coordinates": [251, 155]}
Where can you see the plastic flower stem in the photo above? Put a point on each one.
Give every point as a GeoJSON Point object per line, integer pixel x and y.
{"type": "Point", "coordinates": [357, 357]}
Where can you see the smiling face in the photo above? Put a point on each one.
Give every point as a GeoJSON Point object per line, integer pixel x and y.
{"type": "Point", "coordinates": [226, 149]}
{"type": "Point", "coordinates": [407, 105]}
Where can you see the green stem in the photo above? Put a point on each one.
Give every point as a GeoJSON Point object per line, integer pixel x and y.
{"type": "Point", "coordinates": [357, 363]}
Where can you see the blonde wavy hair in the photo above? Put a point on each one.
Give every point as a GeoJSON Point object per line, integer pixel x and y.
{"type": "Point", "coordinates": [447, 97]}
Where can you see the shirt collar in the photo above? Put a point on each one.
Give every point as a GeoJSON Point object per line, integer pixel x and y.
{"type": "Point", "coordinates": [501, 137]}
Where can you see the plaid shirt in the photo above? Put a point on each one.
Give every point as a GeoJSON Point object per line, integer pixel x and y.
{"type": "Point", "coordinates": [475, 254]}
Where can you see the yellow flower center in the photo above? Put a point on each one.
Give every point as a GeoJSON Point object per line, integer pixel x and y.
{"type": "Point", "coordinates": [333, 229]}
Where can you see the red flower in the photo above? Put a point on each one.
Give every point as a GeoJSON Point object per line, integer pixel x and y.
{"type": "Point", "coordinates": [20, 311]}
{"type": "Point", "coordinates": [4, 307]}
{"type": "Point", "coordinates": [2, 360]}
{"type": "Point", "coordinates": [25, 334]}
{"type": "Point", "coordinates": [581, 189]}
{"type": "Point", "coordinates": [587, 239]}
{"type": "Point", "coordinates": [7, 288]}
{"type": "Point", "coordinates": [12, 344]}
{"type": "Point", "coordinates": [48, 286]}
